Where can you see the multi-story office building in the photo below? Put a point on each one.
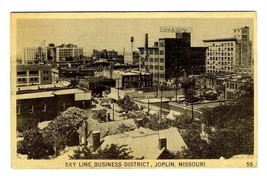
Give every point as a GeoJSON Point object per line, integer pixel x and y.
{"type": "Point", "coordinates": [33, 74]}
{"type": "Point", "coordinates": [30, 54]}
{"type": "Point", "coordinates": [169, 58]}
{"type": "Point", "coordinates": [64, 52]}
{"type": "Point", "coordinates": [230, 54]}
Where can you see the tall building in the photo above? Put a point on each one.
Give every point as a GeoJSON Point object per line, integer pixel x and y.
{"type": "Point", "coordinates": [30, 54]}
{"type": "Point", "coordinates": [230, 54]}
{"type": "Point", "coordinates": [64, 52]}
{"type": "Point", "coordinates": [170, 58]}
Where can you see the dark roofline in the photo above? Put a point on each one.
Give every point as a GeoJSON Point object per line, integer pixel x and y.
{"type": "Point", "coordinates": [152, 47]}
{"type": "Point", "coordinates": [221, 39]}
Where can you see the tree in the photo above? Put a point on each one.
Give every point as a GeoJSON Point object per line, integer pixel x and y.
{"type": "Point", "coordinates": [112, 151]}
{"type": "Point", "coordinates": [188, 85]}
{"type": "Point", "coordinates": [234, 124]}
{"type": "Point", "coordinates": [33, 145]}
{"type": "Point", "coordinates": [62, 131]}
{"type": "Point", "coordinates": [127, 104]}
{"type": "Point", "coordinates": [100, 115]}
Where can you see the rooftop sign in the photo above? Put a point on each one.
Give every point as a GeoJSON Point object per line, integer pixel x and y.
{"type": "Point", "coordinates": [175, 29]}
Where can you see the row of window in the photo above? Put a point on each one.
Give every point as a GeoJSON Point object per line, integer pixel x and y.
{"type": "Point", "coordinates": [220, 68]}
{"type": "Point", "coordinates": [220, 49]}
{"type": "Point", "coordinates": [231, 85]}
{"type": "Point", "coordinates": [31, 109]}
{"type": "Point", "coordinates": [221, 44]}
{"type": "Point", "coordinates": [45, 71]}
{"type": "Point", "coordinates": [221, 63]}
{"type": "Point", "coordinates": [219, 53]}
{"type": "Point", "coordinates": [221, 58]}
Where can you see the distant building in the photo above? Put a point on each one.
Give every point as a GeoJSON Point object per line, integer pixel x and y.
{"type": "Point", "coordinates": [70, 51]}
{"type": "Point", "coordinates": [46, 105]}
{"type": "Point", "coordinates": [169, 58]}
{"type": "Point", "coordinates": [33, 74]}
{"type": "Point", "coordinates": [105, 54]}
{"type": "Point", "coordinates": [131, 57]}
{"type": "Point", "coordinates": [30, 54]}
{"type": "Point", "coordinates": [230, 55]}
{"type": "Point", "coordinates": [132, 79]}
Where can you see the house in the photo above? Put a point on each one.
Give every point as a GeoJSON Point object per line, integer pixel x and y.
{"type": "Point", "coordinates": [144, 143]}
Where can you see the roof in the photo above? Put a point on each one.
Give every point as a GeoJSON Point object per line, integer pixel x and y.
{"type": "Point", "coordinates": [221, 39]}
{"type": "Point", "coordinates": [43, 86]}
{"type": "Point", "coordinates": [46, 94]}
{"type": "Point", "coordinates": [107, 127]}
{"type": "Point", "coordinates": [173, 114]}
{"type": "Point", "coordinates": [144, 142]}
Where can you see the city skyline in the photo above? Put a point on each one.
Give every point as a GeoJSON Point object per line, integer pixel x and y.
{"type": "Point", "coordinates": [114, 34]}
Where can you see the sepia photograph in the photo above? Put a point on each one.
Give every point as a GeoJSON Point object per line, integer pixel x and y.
{"type": "Point", "coordinates": [134, 90]}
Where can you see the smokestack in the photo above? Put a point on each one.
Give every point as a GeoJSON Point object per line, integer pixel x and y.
{"type": "Point", "coordinates": [96, 139]}
{"type": "Point", "coordinates": [146, 41]}
{"type": "Point", "coordinates": [162, 142]}
{"type": "Point", "coordinates": [132, 41]}
{"type": "Point", "coordinates": [107, 117]}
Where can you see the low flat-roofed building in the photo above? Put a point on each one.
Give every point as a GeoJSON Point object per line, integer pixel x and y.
{"type": "Point", "coordinates": [46, 105]}
{"type": "Point", "coordinates": [33, 74]}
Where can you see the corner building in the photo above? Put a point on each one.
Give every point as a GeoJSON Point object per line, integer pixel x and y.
{"type": "Point", "coordinates": [230, 55]}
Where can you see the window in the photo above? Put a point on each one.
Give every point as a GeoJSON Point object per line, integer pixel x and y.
{"type": "Point", "coordinates": [156, 67]}
{"type": "Point", "coordinates": [150, 59]}
{"type": "Point", "coordinates": [44, 108]}
{"type": "Point", "coordinates": [156, 60]}
{"type": "Point", "coordinates": [18, 109]}
{"type": "Point", "coordinates": [161, 59]}
{"type": "Point", "coordinates": [156, 52]}
{"type": "Point", "coordinates": [150, 66]}
{"type": "Point", "coordinates": [33, 72]}
{"type": "Point", "coordinates": [151, 52]}
{"type": "Point", "coordinates": [21, 73]}
{"type": "Point", "coordinates": [30, 110]}
{"type": "Point", "coordinates": [161, 68]}
{"type": "Point", "coordinates": [161, 52]}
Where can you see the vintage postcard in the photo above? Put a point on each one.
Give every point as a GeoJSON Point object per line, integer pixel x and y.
{"type": "Point", "coordinates": [134, 90]}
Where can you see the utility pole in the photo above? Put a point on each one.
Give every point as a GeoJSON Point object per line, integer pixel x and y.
{"type": "Point", "coordinates": [176, 87]}
{"type": "Point", "coordinates": [118, 88]}
{"type": "Point", "coordinates": [161, 102]}
{"type": "Point", "coordinates": [113, 111]}
{"type": "Point", "coordinates": [192, 98]}
{"type": "Point", "coordinates": [148, 105]}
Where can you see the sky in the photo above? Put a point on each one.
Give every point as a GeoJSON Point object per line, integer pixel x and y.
{"type": "Point", "coordinates": [114, 33]}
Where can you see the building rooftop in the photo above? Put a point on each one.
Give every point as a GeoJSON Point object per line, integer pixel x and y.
{"type": "Point", "coordinates": [144, 143]}
{"type": "Point", "coordinates": [221, 39]}
{"type": "Point", "coordinates": [42, 86]}
{"type": "Point", "coordinates": [48, 94]}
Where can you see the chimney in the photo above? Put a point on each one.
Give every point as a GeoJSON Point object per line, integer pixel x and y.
{"type": "Point", "coordinates": [107, 117]}
{"type": "Point", "coordinates": [84, 134]}
{"type": "Point", "coordinates": [96, 139]}
{"type": "Point", "coordinates": [146, 41]}
{"type": "Point", "coordinates": [162, 142]}
{"type": "Point", "coordinates": [138, 123]}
